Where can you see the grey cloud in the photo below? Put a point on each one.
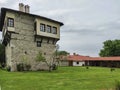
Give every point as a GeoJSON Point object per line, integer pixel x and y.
{"type": "Point", "coordinates": [87, 40]}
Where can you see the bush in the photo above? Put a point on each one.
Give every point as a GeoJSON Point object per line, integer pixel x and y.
{"type": "Point", "coordinates": [117, 85]}
{"type": "Point", "coordinates": [27, 66]}
{"type": "Point", "coordinates": [8, 68]}
{"type": "Point", "coordinates": [3, 65]}
{"type": "Point", "coordinates": [54, 67]}
{"type": "Point", "coordinates": [20, 67]}
{"type": "Point", "coordinates": [23, 67]}
{"type": "Point", "coordinates": [87, 67]}
{"type": "Point", "coordinates": [0, 66]}
{"type": "Point", "coordinates": [112, 69]}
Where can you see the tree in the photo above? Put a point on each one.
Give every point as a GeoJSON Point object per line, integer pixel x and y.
{"type": "Point", "coordinates": [50, 64]}
{"type": "Point", "coordinates": [40, 57]}
{"type": "Point", "coordinates": [110, 48]}
{"type": "Point", "coordinates": [2, 55]}
{"type": "Point", "coordinates": [53, 63]}
{"type": "Point", "coordinates": [65, 53]}
{"type": "Point", "coordinates": [60, 56]}
{"type": "Point", "coordinates": [54, 59]}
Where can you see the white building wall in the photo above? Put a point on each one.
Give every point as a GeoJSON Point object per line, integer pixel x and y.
{"type": "Point", "coordinates": [78, 63]}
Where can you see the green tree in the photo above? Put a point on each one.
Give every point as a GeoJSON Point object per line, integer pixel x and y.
{"type": "Point", "coordinates": [60, 55]}
{"type": "Point", "coordinates": [65, 53]}
{"type": "Point", "coordinates": [2, 55]}
{"type": "Point", "coordinates": [110, 48]}
{"type": "Point", "coordinates": [41, 58]}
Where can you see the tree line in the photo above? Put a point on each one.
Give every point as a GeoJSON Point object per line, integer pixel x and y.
{"type": "Point", "coordinates": [110, 48]}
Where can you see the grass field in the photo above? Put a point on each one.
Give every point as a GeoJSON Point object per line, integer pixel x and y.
{"type": "Point", "coordinates": [65, 78]}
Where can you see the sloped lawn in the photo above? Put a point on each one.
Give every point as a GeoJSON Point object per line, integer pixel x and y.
{"type": "Point", "coordinates": [65, 78]}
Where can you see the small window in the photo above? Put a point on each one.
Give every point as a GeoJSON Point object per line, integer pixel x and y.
{"type": "Point", "coordinates": [35, 26]}
{"type": "Point", "coordinates": [10, 22]}
{"type": "Point", "coordinates": [44, 53]}
{"type": "Point", "coordinates": [54, 30]}
{"type": "Point", "coordinates": [54, 41]}
{"type": "Point", "coordinates": [48, 40]}
{"type": "Point", "coordinates": [25, 52]}
{"type": "Point", "coordinates": [48, 29]}
{"type": "Point", "coordinates": [38, 43]}
{"type": "Point", "coordinates": [77, 62]}
{"type": "Point", "coordinates": [42, 27]}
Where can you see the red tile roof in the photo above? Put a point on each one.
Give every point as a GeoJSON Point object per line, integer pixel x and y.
{"type": "Point", "coordinates": [117, 58]}
{"type": "Point", "coordinates": [87, 58]}
{"type": "Point", "coordinates": [77, 58]}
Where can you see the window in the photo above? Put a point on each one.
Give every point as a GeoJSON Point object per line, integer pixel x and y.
{"type": "Point", "coordinates": [54, 41]}
{"type": "Point", "coordinates": [44, 53]}
{"type": "Point", "coordinates": [38, 43]}
{"type": "Point", "coordinates": [54, 30]}
{"type": "Point", "coordinates": [10, 22]}
{"type": "Point", "coordinates": [25, 52]}
{"type": "Point", "coordinates": [35, 24]}
{"type": "Point", "coordinates": [77, 62]}
{"type": "Point", "coordinates": [42, 27]}
{"type": "Point", "coordinates": [48, 29]}
{"type": "Point", "coordinates": [48, 40]}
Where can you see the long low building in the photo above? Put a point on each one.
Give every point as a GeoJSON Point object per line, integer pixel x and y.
{"type": "Point", "coordinates": [79, 60]}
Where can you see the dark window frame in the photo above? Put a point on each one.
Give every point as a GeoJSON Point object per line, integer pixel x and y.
{"type": "Point", "coordinates": [35, 26]}
{"type": "Point", "coordinates": [54, 42]}
{"type": "Point", "coordinates": [42, 27]}
{"type": "Point", "coordinates": [77, 62]}
{"type": "Point", "coordinates": [39, 43]}
{"type": "Point", "coordinates": [10, 22]}
{"type": "Point", "coordinates": [54, 30]}
{"type": "Point", "coordinates": [49, 30]}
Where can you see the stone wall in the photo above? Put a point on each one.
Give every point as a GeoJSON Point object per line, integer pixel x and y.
{"type": "Point", "coordinates": [24, 47]}
{"type": "Point", "coordinates": [64, 63]}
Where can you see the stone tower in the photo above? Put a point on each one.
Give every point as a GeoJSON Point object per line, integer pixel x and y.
{"type": "Point", "coordinates": [25, 35]}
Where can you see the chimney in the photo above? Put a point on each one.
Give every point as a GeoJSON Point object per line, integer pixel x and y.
{"type": "Point", "coordinates": [74, 53]}
{"type": "Point", "coordinates": [21, 7]}
{"type": "Point", "coordinates": [27, 8]}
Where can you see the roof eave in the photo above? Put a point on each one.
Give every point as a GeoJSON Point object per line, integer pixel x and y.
{"type": "Point", "coordinates": [3, 12]}
{"type": "Point", "coordinates": [7, 9]}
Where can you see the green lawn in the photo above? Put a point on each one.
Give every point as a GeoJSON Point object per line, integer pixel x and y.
{"type": "Point", "coordinates": [65, 78]}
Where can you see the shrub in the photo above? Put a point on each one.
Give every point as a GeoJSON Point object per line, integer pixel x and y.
{"type": "Point", "coordinates": [54, 67]}
{"type": "Point", "coordinates": [112, 69]}
{"type": "Point", "coordinates": [27, 66]}
{"type": "Point", "coordinates": [23, 67]}
{"type": "Point", "coordinates": [0, 66]}
{"type": "Point", "coordinates": [87, 67]}
{"type": "Point", "coordinates": [8, 68]}
{"type": "Point", "coordinates": [117, 85]}
{"type": "Point", "coordinates": [20, 67]}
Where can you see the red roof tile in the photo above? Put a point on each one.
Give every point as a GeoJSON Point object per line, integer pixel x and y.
{"type": "Point", "coordinates": [77, 58]}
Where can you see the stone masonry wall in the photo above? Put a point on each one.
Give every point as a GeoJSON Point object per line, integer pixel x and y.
{"type": "Point", "coordinates": [24, 46]}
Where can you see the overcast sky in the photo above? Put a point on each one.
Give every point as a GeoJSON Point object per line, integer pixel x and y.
{"type": "Point", "coordinates": [87, 23]}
